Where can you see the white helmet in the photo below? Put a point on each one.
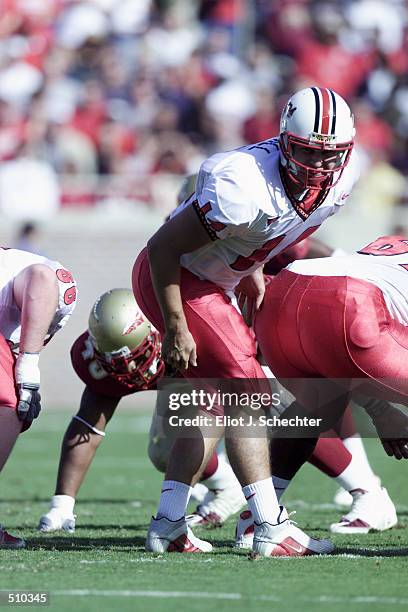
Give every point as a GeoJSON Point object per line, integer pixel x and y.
{"type": "Point", "coordinates": [316, 119]}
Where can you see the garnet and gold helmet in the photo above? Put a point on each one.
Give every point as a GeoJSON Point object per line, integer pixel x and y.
{"type": "Point", "coordinates": [125, 343]}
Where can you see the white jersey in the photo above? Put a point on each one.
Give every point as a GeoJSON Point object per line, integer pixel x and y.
{"type": "Point", "coordinates": [241, 200]}
{"type": "Point", "coordinates": [12, 262]}
{"type": "Point", "coordinates": [383, 263]}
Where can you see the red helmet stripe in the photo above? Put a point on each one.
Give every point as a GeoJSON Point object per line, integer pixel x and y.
{"type": "Point", "coordinates": [326, 116]}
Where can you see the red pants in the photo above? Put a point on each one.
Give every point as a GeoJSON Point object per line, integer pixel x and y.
{"type": "Point", "coordinates": [226, 347]}
{"type": "Point", "coordinates": [333, 327]}
{"type": "Point", "coordinates": [8, 392]}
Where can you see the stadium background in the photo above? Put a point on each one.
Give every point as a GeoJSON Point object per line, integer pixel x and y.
{"type": "Point", "coordinates": [105, 105]}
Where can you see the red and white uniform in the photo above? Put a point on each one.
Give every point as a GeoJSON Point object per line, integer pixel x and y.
{"type": "Point", "coordinates": [92, 373]}
{"type": "Point", "coordinates": [12, 262]}
{"type": "Point", "coordinates": [241, 200]}
{"type": "Point", "coordinates": [341, 317]}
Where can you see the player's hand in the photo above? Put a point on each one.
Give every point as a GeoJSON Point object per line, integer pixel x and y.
{"type": "Point", "coordinates": [179, 349]}
{"type": "Point", "coordinates": [251, 291]}
{"type": "Point", "coordinates": [27, 376]}
{"type": "Point", "coordinates": [392, 429]}
{"type": "Point", "coordinates": [29, 402]}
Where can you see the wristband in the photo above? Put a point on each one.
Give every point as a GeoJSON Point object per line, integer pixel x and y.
{"type": "Point", "coordinates": [27, 370]}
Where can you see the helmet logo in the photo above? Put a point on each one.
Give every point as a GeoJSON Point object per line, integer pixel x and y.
{"type": "Point", "coordinates": [291, 109]}
{"type": "Point", "coordinates": [329, 139]}
{"type": "Point", "coordinates": [133, 324]}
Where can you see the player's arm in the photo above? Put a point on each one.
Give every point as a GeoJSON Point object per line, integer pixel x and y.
{"type": "Point", "coordinates": [183, 233]}
{"type": "Point", "coordinates": [82, 439]}
{"type": "Point", "coordinates": [36, 294]}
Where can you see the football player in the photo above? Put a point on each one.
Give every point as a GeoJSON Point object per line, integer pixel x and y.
{"type": "Point", "coordinates": [357, 306]}
{"type": "Point", "coordinates": [119, 355]}
{"type": "Point", "coordinates": [249, 205]}
{"type": "Point", "coordinates": [37, 297]}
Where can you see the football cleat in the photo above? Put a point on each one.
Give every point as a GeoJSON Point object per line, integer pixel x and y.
{"type": "Point", "coordinates": [165, 535]}
{"type": "Point", "coordinates": [216, 510]}
{"type": "Point", "coordinates": [370, 511]}
{"type": "Point", "coordinates": [9, 541]}
{"type": "Point", "coordinates": [201, 494]}
{"type": "Point", "coordinates": [55, 520]}
{"type": "Point", "coordinates": [281, 540]}
{"type": "Point", "coordinates": [343, 499]}
{"type": "Point", "coordinates": [244, 531]}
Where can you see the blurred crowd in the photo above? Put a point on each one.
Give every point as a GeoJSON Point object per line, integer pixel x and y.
{"type": "Point", "coordinates": [99, 96]}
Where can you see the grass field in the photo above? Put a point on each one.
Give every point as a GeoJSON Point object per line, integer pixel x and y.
{"type": "Point", "coordinates": [103, 566]}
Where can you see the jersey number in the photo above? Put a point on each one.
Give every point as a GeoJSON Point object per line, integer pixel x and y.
{"type": "Point", "coordinates": [244, 263]}
{"type": "Point", "coordinates": [387, 245]}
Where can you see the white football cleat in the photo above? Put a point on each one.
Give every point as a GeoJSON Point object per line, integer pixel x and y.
{"type": "Point", "coordinates": [201, 494]}
{"type": "Point", "coordinates": [9, 541]}
{"type": "Point", "coordinates": [215, 510]}
{"type": "Point", "coordinates": [281, 540]}
{"type": "Point", "coordinates": [55, 520]}
{"type": "Point", "coordinates": [370, 511]}
{"type": "Point", "coordinates": [244, 531]}
{"type": "Point", "coordinates": [343, 499]}
{"type": "Point", "coordinates": [165, 535]}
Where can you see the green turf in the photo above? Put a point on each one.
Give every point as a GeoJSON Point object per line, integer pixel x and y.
{"type": "Point", "coordinates": [105, 556]}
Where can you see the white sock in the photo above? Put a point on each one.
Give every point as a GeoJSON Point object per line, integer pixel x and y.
{"type": "Point", "coordinates": [280, 484]}
{"type": "Point", "coordinates": [223, 476]}
{"type": "Point", "coordinates": [174, 499]}
{"type": "Point", "coordinates": [356, 476]}
{"type": "Point", "coordinates": [65, 503]}
{"type": "Point", "coordinates": [262, 501]}
{"type": "Point", "coordinates": [355, 446]}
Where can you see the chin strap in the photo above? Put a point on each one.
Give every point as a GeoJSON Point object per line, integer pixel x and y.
{"type": "Point", "coordinates": [99, 432]}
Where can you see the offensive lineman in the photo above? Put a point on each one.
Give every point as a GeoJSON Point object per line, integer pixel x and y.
{"type": "Point", "coordinates": [358, 307]}
{"type": "Point", "coordinates": [250, 204]}
{"type": "Point", "coordinates": [37, 297]}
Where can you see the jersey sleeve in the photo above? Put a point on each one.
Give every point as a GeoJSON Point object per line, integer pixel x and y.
{"type": "Point", "coordinates": [224, 203]}
{"type": "Point", "coordinates": [91, 373]}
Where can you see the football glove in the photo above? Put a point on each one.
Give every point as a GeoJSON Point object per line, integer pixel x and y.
{"type": "Point", "coordinates": [29, 402]}
{"type": "Point", "coordinates": [27, 375]}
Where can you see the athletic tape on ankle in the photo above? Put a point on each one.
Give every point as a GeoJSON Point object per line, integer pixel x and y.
{"type": "Point", "coordinates": [91, 427]}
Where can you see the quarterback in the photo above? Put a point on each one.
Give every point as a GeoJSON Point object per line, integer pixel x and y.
{"type": "Point", "coordinates": [249, 205]}
{"type": "Point", "coordinates": [37, 297]}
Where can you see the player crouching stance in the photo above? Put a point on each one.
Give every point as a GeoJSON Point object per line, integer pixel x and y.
{"type": "Point", "coordinates": [119, 355]}
{"type": "Point", "coordinates": [331, 327]}
{"type": "Point", "coordinates": [37, 297]}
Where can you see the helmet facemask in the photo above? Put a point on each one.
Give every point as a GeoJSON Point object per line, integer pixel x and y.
{"type": "Point", "coordinates": [139, 367]}
{"type": "Point", "coordinates": [333, 159]}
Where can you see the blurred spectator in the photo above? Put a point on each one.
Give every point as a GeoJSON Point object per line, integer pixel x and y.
{"type": "Point", "coordinates": [28, 238]}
